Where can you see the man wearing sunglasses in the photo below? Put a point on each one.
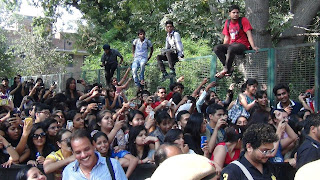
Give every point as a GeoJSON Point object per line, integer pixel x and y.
{"type": "Point", "coordinates": [253, 164]}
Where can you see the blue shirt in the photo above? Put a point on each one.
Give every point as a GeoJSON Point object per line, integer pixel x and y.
{"type": "Point", "coordinates": [141, 48]}
{"type": "Point", "coordinates": [99, 172]}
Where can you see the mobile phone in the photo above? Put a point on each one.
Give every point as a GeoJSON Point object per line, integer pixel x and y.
{"type": "Point", "coordinates": [132, 105]}
{"type": "Point", "coordinates": [203, 140]}
{"type": "Point", "coordinates": [54, 83]}
{"type": "Point", "coordinates": [79, 81]}
{"type": "Point", "coordinates": [151, 114]}
{"type": "Point", "coordinates": [69, 124]}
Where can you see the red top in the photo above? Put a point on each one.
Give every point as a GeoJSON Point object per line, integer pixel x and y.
{"type": "Point", "coordinates": [236, 34]}
{"type": "Point", "coordinates": [228, 158]}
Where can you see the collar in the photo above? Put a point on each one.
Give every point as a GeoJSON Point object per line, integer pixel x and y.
{"type": "Point", "coordinates": [314, 143]}
{"type": "Point", "coordinates": [292, 103]}
{"type": "Point", "coordinates": [100, 160]}
{"type": "Point", "coordinates": [171, 34]}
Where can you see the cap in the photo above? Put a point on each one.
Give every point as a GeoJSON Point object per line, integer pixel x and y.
{"type": "Point", "coordinates": [106, 47]}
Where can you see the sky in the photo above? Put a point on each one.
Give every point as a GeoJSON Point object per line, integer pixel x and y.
{"type": "Point", "coordinates": [66, 23]}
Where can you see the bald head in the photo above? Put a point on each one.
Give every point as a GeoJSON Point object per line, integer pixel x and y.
{"type": "Point", "coordinates": [165, 151]}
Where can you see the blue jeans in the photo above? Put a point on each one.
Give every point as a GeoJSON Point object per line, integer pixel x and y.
{"type": "Point", "coordinates": [137, 63]}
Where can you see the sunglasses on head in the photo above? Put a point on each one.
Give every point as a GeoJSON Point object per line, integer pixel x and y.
{"type": "Point", "coordinates": [41, 135]}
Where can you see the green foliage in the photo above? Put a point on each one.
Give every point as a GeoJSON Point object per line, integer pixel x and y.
{"type": "Point", "coordinates": [6, 56]}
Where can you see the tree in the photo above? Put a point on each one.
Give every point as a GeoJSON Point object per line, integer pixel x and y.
{"type": "Point", "coordinates": [6, 57]}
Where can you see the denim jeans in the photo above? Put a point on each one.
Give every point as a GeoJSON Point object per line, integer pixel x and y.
{"type": "Point", "coordinates": [137, 63]}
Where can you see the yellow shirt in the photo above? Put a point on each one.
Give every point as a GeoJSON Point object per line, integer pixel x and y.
{"type": "Point", "coordinates": [56, 156]}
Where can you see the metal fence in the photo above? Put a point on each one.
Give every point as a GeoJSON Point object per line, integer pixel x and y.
{"type": "Point", "coordinates": [295, 65]}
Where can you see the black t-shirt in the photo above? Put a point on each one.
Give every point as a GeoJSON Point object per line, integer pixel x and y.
{"type": "Point", "coordinates": [233, 172]}
{"type": "Point", "coordinates": [17, 96]}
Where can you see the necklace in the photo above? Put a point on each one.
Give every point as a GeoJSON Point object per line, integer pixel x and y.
{"type": "Point", "coordinates": [85, 173]}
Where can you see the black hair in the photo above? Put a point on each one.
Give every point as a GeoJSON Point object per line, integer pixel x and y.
{"type": "Point", "coordinates": [251, 82]}
{"type": "Point", "coordinates": [176, 97]}
{"type": "Point", "coordinates": [213, 108]}
{"type": "Point", "coordinates": [23, 172]}
{"type": "Point", "coordinates": [5, 125]}
{"type": "Point", "coordinates": [161, 115]}
{"type": "Point", "coordinates": [302, 112]}
{"type": "Point", "coordinates": [68, 82]}
{"type": "Point", "coordinates": [161, 87]}
{"type": "Point", "coordinates": [47, 122]}
{"type": "Point", "coordinates": [312, 120]}
{"type": "Point", "coordinates": [258, 116]}
{"type": "Point", "coordinates": [233, 133]}
{"type": "Point", "coordinates": [133, 113]}
{"type": "Point", "coordinates": [172, 135]}
{"type": "Point", "coordinates": [33, 150]}
{"type": "Point", "coordinates": [134, 132]}
{"type": "Point", "coordinates": [193, 127]}
{"type": "Point", "coordinates": [99, 134]}
{"type": "Point", "coordinates": [81, 133]}
{"type": "Point", "coordinates": [108, 89]}
{"type": "Point", "coordinates": [41, 106]}
{"type": "Point", "coordinates": [258, 134]}
{"type": "Point", "coordinates": [80, 104]}
{"type": "Point", "coordinates": [71, 114]}
{"type": "Point", "coordinates": [280, 86]}
{"type": "Point", "coordinates": [175, 84]}
{"type": "Point", "coordinates": [141, 31]}
{"type": "Point", "coordinates": [179, 115]}
{"type": "Point", "coordinates": [260, 93]}
{"type": "Point", "coordinates": [232, 7]}
{"type": "Point", "coordinates": [169, 22]}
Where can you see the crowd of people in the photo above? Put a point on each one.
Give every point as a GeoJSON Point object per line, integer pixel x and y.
{"type": "Point", "coordinates": [99, 132]}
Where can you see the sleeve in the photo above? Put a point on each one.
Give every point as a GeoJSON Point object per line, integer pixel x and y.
{"type": "Point", "coordinates": [225, 30]}
{"type": "Point", "coordinates": [121, 139]}
{"type": "Point", "coordinates": [167, 43]}
{"type": "Point", "coordinates": [305, 156]}
{"type": "Point", "coordinates": [178, 43]}
{"type": "Point", "coordinates": [118, 170]}
{"type": "Point", "coordinates": [118, 53]}
{"type": "Point", "coordinates": [149, 43]}
{"type": "Point", "coordinates": [200, 101]}
{"type": "Point", "coordinates": [246, 24]}
{"type": "Point", "coordinates": [134, 42]}
{"type": "Point", "coordinates": [103, 58]}
{"type": "Point", "coordinates": [52, 156]}
{"type": "Point", "coordinates": [229, 173]}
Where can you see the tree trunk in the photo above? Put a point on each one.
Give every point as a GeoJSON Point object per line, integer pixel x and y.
{"type": "Point", "coordinates": [257, 11]}
{"type": "Point", "coordinates": [304, 11]}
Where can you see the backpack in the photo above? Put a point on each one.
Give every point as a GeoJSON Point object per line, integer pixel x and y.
{"type": "Point", "coordinates": [239, 22]}
{"type": "Point", "coordinates": [240, 25]}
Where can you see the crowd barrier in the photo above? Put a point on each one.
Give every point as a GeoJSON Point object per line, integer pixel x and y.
{"type": "Point", "coordinates": [141, 172]}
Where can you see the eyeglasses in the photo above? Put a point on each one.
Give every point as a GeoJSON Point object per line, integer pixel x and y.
{"type": "Point", "coordinates": [41, 135]}
{"type": "Point", "coordinates": [162, 92]}
{"type": "Point", "coordinates": [266, 152]}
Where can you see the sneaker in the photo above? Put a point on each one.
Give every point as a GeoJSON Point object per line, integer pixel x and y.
{"type": "Point", "coordinates": [165, 76]}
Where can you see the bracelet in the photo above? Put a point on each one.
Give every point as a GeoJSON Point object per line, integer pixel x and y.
{"type": "Point", "coordinates": [7, 146]}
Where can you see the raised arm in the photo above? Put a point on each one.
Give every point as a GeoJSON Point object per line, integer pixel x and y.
{"type": "Point", "coordinates": [50, 165]}
{"type": "Point", "coordinates": [244, 103]}
{"type": "Point", "coordinates": [196, 91]}
{"type": "Point", "coordinates": [125, 76]}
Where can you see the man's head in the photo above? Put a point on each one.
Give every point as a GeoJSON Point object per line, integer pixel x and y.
{"type": "Point", "coordinates": [234, 12]}
{"type": "Point", "coordinates": [162, 93]}
{"type": "Point", "coordinates": [83, 149]}
{"type": "Point", "coordinates": [215, 112]}
{"type": "Point", "coordinates": [42, 111]}
{"type": "Point", "coordinates": [312, 126]}
{"type": "Point", "coordinates": [258, 142]}
{"type": "Point", "coordinates": [169, 26]}
{"type": "Point", "coordinates": [177, 87]}
{"type": "Point", "coordinates": [141, 34]}
{"type": "Point", "coordinates": [182, 118]}
{"type": "Point", "coordinates": [165, 151]}
{"type": "Point", "coordinates": [282, 93]}
{"type": "Point", "coordinates": [106, 48]}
